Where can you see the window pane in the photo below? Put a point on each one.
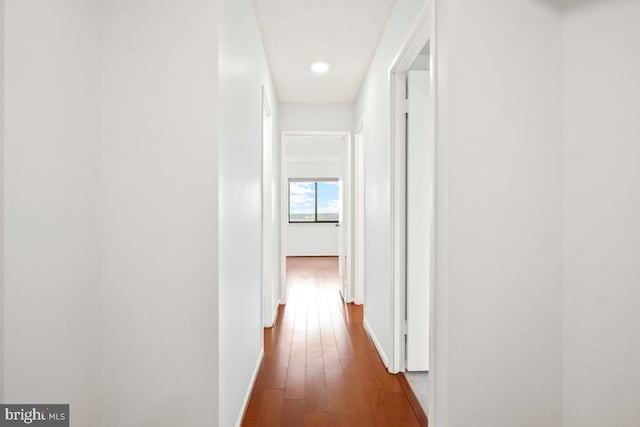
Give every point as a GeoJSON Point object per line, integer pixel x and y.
{"type": "Point", "coordinates": [302, 202]}
{"type": "Point", "coordinates": [328, 201]}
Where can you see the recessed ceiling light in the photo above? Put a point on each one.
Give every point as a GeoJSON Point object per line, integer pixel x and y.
{"type": "Point", "coordinates": [320, 67]}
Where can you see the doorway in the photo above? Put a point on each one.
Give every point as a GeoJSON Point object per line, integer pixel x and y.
{"type": "Point", "coordinates": [316, 200]}
{"type": "Point", "coordinates": [413, 150]}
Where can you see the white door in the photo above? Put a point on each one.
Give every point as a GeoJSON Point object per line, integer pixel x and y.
{"type": "Point", "coordinates": [344, 223]}
{"type": "Point", "coordinates": [358, 219]}
{"type": "Point", "coordinates": [342, 264]}
{"type": "Point", "coordinates": [420, 219]}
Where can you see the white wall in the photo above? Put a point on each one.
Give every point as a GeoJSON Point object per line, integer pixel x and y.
{"type": "Point", "coordinates": [243, 70]}
{"type": "Point", "coordinates": [499, 274]}
{"type": "Point", "coordinates": [601, 373]}
{"type": "Point", "coordinates": [313, 239]}
{"type": "Point", "coordinates": [373, 107]}
{"type": "Point", "coordinates": [159, 212]}
{"type": "Point", "coordinates": [52, 311]}
{"type": "Point", "coordinates": [317, 117]}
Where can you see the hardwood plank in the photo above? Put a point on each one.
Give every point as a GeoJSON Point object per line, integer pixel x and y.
{"type": "Point", "coordinates": [271, 408]}
{"type": "Point", "coordinates": [296, 381]}
{"type": "Point", "coordinates": [333, 376]}
{"type": "Point", "coordinates": [316, 419]}
{"type": "Point", "coordinates": [359, 402]}
{"type": "Point", "coordinates": [293, 413]}
{"type": "Point", "coordinates": [398, 405]}
{"type": "Point", "coordinates": [273, 373]}
{"type": "Point", "coordinates": [298, 352]}
{"type": "Point", "coordinates": [253, 409]}
{"type": "Point", "coordinates": [340, 414]}
{"type": "Point", "coordinates": [376, 394]}
{"type": "Point", "coordinates": [315, 393]}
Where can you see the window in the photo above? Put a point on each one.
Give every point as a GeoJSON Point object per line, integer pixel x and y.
{"type": "Point", "coordinates": [314, 200]}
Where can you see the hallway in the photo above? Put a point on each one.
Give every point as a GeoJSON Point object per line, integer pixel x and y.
{"type": "Point", "coordinates": [320, 367]}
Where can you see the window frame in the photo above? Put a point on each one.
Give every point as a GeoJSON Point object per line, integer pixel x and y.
{"type": "Point", "coordinates": [315, 182]}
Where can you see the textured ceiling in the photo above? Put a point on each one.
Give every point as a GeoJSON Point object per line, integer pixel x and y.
{"type": "Point", "coordinates": [343, 33]}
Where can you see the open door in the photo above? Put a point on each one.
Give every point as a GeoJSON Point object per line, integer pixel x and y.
{"type": "Point", "coordinates": [342, 253]}
{"type": "Point", "coordinates": [419, 211]}
{"type": "Point", "coordinates": [345, 190]}
{"type": "Point", "coordinates": [344, 223]}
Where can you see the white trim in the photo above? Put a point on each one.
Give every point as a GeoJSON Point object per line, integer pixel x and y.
{"type": "Point", "coordinates": [275, 315]}
{"type": "Point", "coordinates": [254, 377]}
{"type": "Point", "coordinates": [315, 133]}
{"type": "Point", "coordinates": [311, 253]}
{"type": "Point", "coordinates": [376, 343]}
{"type": "Point", "coordinates": [267, 237]}
{"type": "Point", "coordinates": [283, 219]}
{"type": "Point", "coordinates": [358, 213]}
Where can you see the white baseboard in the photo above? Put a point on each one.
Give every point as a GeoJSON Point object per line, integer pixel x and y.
{"type": "Point", "coordinates": [245, 402]}
{"type": "Point", "coordinates": [373, 337]}
{"type": "Point", "coordinates": [307, 254]}
{"type": "Point", "coordinates": [348, 301]}
{"type": "Point", "coordinates": [275, 314]}
{"type": "Point", "coordinates": [272, 322]}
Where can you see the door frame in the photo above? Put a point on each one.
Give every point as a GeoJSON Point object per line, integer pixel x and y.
{"type": "Point", "coordinates": [359, 214]}
{"type": "Point", "coordinates": [269, 307]}
{"type": "Point", "coordinates": [423, 32]}
{"type": "Point", "coordinates": [284, 135]}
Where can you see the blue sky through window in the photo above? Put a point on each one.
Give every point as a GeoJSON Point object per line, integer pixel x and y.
{"type": "Point", "coordinates": [328, 202]}
{"type": "Point", "coordinates": [302, 201]}
{"type": "Point", "coordinates": [302, 197]}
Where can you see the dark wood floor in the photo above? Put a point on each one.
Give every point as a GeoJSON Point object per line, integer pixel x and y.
{"type": "Point", "coordinates": [320, 367]}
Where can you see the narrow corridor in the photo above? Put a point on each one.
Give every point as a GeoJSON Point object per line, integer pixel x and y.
{"type": "Point", "coordinates": [320, 368]}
